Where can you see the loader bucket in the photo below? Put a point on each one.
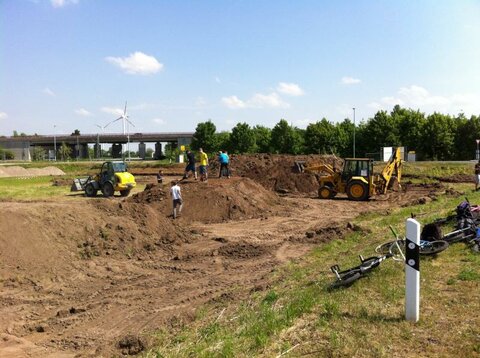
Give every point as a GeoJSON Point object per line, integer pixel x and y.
{"type": "Point", "coordinates": [78, 184]}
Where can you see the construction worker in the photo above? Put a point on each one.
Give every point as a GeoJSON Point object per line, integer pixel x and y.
{"type": "Point", "coordinates": [223, 159]}
{"type": "Point", "coordinates": [203, 165]}
{"type": "Point", "coordinates": [176, 194]}
{"type": "Point", "coordinates": [190, 165]}
{"type": "Point", "coordinates": [477, 175]}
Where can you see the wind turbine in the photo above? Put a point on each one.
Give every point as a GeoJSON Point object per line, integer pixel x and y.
{"type": "Point", "coordinates": [125, 121]}
{"type": "Point", "coordinates": [99, 155]}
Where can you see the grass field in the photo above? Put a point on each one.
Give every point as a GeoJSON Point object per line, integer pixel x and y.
{"type": "Point", "coordinates": [299, 316]}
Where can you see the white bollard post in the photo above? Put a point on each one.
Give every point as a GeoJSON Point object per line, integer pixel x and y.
{"type": "Point", "coordinates": [412, 271]}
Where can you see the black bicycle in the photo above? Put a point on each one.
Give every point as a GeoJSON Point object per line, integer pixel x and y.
{"type": "Point", "coordinates": [347, 277]}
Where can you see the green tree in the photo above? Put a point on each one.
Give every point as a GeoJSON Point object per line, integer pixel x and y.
{"type": "Point", "coordinates": [76, 132]}
{"type": "Point", "coordinates": [286, 139]}
{"type": "Point", "coordinates": [468, 131]}
{"type": "Point", "coordinates": [380, 131]}
{"type": "Point", "coordinates": [263, 137]}
{"type": "Point", "coordinates": [242, 139]}
{"type": "Point", "coordinates": [437, 139]}
{"type": "Point", "coordinates": [409, 124]}
{"type": "Point", "coordinates": [149, 153]}
{"type": "Point", "coordinates": [222, 141]}
{"type": "Point", "coordinates": [321, 138]}
{"type": "Point", "coordinates": [64, 151]}
{"type": "Point", "coordinates": [344, 133]}
{"type": "Point", "coordinates": [204, 137]}
{"type": "Point", "coordinates": [6, 154]}
{"type": "Point", "coordinates": [38, 153]}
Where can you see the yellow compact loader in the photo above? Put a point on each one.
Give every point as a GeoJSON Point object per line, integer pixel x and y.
{"type": "Point", "coordinates": [112, 177]}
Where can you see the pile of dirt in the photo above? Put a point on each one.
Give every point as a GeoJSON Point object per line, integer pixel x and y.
{"type": "Point", "coordinates": [16, 171]}
{"type": "Point", "coordinates": [278, 172]}
{"type": "Point", "coordinates": [216, 201]}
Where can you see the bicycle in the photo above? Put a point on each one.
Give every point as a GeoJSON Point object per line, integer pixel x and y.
{"type": "Point", "coordinates": [348, 277]}
{"type": "Point", "coordinates": [397, 247]}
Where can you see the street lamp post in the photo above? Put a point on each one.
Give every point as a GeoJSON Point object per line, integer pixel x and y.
{"type": "Point", "coordinates": [54, 143]}
{"type": "Point", "coordinates": [354, 132]}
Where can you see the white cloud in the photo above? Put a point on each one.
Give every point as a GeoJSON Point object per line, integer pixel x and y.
{"type": "Point", "coordinates": [3, 115]}
{"type": "Point", "coordinates": [258, 100]}
{"type": "Point", "coordinates": [83, 112]}
{"type": "Point", "coordinates": [217, 79]}
{"type": "Point", "coordinates": [48, 92]}
{"type": "Point", "coordinates": [346, 80]}
{"type": "Point", "coordinates": [200, 101]}
{"type": "Point", "coordinates": [291, 89]}
{"type": "Point", "coordinates": [111, 110]}
{"type": "Point", "coordinates": [62, 3]}
{"type": "Point", "coordinates": [159, 121]}
{"type": "Point", "coordinates": [272, 100]}
{"type": "Point", "coordinates": [137, 63]}
{"type": "Point", "coordinates": [417, 97]}
{"type": "Point", "coordinates": [233, 102]}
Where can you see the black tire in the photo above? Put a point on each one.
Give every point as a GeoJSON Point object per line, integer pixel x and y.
{"type": "Point", "coordinates": [107, 189]}
{"type": "Point", "coordinates": [347, 278]}
{"type": "Point", "coordinates": [125, 192]}
{"type": "Point", "coordinates": [90, 191]}
{"type": "Point", "coordinates": [431, 232]}
{"type": "Point", "coordinates": [433, 247]}
{"type": "Point", "coordinates": [325, 192]}
{"type": "Point", "coordinates": [357, 190]}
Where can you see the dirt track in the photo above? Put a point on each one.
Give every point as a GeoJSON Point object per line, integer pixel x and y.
{"type": "Point", "coordinates": [79, 276]}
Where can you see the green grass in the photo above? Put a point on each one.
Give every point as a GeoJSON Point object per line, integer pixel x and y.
{"type": "Point", "coordinates": [30, 188]}
{"type": "Point", "coordinates": [299, 313]}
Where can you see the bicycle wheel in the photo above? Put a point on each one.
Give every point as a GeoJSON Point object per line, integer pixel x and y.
{"type": "Point", "coordinates": [391, 247]}
{"type": "Point", "coordinates": [384, 249]}
{"type": "Point", "coordinates": [433, 247]}
{"type": "Point", "coordinates": [347, 278]}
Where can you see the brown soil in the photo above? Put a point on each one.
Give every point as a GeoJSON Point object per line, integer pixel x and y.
{"type": "Point", "coordinates": [92, 277]}
{"type": "Point", "coordinates": [278, 172]}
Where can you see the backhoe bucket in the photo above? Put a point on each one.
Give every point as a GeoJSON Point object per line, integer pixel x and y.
{"type": "Point", "coordinates": [300, 166]}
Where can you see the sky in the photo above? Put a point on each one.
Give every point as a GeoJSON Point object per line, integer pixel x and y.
{"type": "Point", "coordinates": [72, 64]}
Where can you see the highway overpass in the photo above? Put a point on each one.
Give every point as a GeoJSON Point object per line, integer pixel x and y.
{"type": "Point", "coordinates": [22, 146]}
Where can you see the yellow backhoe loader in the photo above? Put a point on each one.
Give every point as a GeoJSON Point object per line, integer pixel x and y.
{"type": "Point", "coordinates": [356, 178]}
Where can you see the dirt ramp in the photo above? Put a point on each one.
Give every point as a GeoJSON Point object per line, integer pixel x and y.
{"type": "Point", "coordinates": [278, 172]}
{"type": "Point", "coordinates": [216, 201]}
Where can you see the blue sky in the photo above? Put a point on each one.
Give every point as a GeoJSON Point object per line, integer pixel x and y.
{"type": "Point", "coordinates": [73, 63]}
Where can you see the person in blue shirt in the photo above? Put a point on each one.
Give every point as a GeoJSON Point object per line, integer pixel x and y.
{"type": "Point", "coordinates": [224, 161]}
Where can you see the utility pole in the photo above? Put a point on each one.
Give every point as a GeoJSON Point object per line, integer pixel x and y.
{"type": "Point", "coordinates": [54, 142]}
{"type": "Point", "coordinates": [354, 132]}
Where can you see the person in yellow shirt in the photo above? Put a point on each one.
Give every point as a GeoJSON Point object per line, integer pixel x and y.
{"type": "Point", "coordinates": [203, 165]}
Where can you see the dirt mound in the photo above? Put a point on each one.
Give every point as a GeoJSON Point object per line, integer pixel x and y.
{"type": "Point", "coordinates": [277, 172]}
{"type": "Point", "coordinates": [216, 201]}
{"type": "Point", "coordinates": [16, 171]}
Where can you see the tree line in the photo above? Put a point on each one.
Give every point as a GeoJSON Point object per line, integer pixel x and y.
{"type": "Point", "coordinates": [433, 137]}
